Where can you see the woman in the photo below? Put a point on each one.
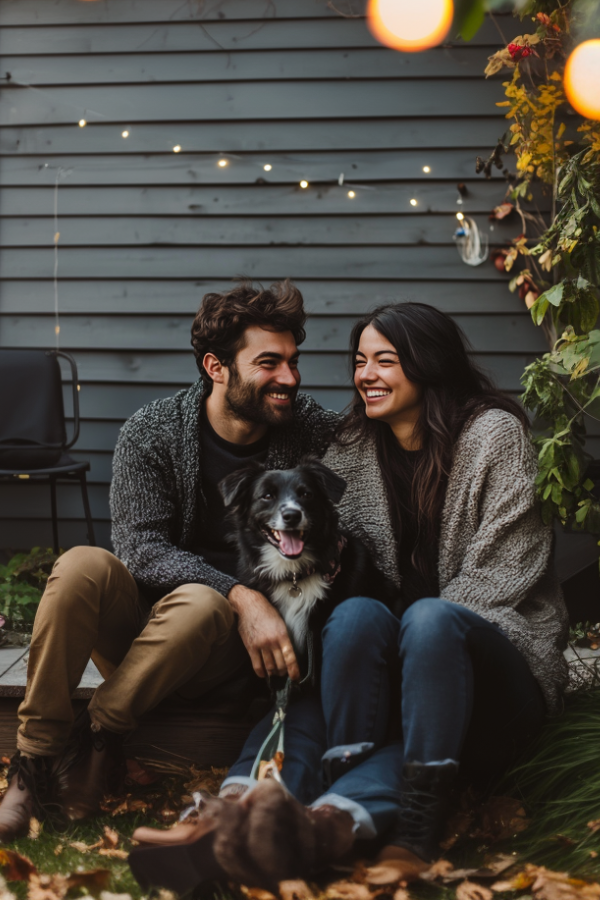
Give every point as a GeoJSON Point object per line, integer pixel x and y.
{"type": "Point", "coordinates": [440, 472]}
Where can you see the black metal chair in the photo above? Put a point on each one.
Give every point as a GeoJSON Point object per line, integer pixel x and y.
{"type": "Point", "coordinates": [33, 435]}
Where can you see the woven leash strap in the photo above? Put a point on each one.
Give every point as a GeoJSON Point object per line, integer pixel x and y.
{"type": "Point", "coordinates": [272, 749]}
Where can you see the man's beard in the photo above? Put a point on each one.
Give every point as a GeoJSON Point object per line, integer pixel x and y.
{"type": "Point", "coordinates": [248, 401]}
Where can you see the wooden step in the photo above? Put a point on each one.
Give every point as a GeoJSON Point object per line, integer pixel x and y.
{"type": "Point", "coordinates": [198, 732]}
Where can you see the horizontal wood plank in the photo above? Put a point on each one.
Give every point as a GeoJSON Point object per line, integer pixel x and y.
{"type": "Point", "coordinates": [267, 65]}
{"type": "Point", "coordinates": [490, 334]}
{"type": "Point", "coordinates": [246, 100]}
{"type": "Point", "coordinates": [68, 12]}
{"type": "Point", "coordinates": [170, 37]}
{"type": "Point", "coordinates": [259, 263]}
{"type": "Point", "coordinates": [243, 230]}
{"type": "Point", "coordinates": [136, 297]}
{"type": "Point", "coordinates": [203, 169]}
{"type": "Point", "coordinates": [256, 137]}
{"type": "Point", "coordinates": [22, 534]}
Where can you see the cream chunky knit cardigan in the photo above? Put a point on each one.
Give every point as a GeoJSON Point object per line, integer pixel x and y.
{"type": "Point", "coordinates": [495, 552]}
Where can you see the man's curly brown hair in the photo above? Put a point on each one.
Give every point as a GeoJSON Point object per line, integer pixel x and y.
{"type": "Point", "coordinates": [223, 318]}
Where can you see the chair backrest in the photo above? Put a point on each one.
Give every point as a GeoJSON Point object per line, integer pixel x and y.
{"type": "Point", "coordinates": [32, 416]}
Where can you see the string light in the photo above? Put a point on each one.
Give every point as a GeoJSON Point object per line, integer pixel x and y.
{"type": "Point", "coordinates": [427, 169]}
{"type": "Point", "coordinates": [177, 148]}
{"type": "Point", "coordinates": [304, 184]}
{"type": "Point", "coordinates": [409, 26]}
{"type": "Point", "coordinates": [351, 194]}
{"type": "Point", "coordinates": [267, 167]}
{"type": "Point", "coordinates": [582, 77]}
{"type": "Point", "coordinates": [82, 123]}
{"type": "Point", "coordinates": [459, 216]}
{"type": "Point", "coordinates": [222, 163]}
{"type": "Point", "coordinates": [413, 202]}
{"type": "Point", "coordinates": [125, 134]}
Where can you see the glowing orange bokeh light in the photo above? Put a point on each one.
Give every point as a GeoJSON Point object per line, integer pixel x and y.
{"type": "Point", "coordinates": [410, 25]}
{"type": "Point", "coordinates": [582, 79]}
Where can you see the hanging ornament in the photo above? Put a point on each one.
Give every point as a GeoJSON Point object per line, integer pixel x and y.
{"type": "Point", "coordinates": [582, 79]}
{"type": "Point", "coordinates": [409, 25]}
{"type": "Point", "coordinates": [472, 244]}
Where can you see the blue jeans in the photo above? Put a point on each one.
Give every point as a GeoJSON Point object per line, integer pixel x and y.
{"type": "Point", "coordinates": [462, 690]}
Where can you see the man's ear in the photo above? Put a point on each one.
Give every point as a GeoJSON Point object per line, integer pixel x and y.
{"type": "Point", "coordinates": [233, 487]}
{"type": "Point", "coordinates": [213, 368]}
{"type": "Point", "coordinates": [333, 485]}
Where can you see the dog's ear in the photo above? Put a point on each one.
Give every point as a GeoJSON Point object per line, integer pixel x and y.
{"type": "Point", "coordinates": [333, 485]}
{"type": "Point", "coordinates": [233, 486]}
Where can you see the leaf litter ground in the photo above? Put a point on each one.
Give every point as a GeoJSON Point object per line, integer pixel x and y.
{"type": "Point", "coordinates": [537, 838]}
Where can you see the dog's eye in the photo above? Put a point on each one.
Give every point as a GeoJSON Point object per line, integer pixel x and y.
{"type": "Point", "coordinates": [304, 493]}
{"type": "Point", "coordinates": [267, 496]}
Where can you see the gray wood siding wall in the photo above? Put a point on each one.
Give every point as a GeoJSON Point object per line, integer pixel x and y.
{"type": "Point", "coordinates": [145, 232]}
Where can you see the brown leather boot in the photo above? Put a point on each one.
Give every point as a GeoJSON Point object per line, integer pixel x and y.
{"type": "Point", "coordinates": [93, 765]}
{"type": "Point", "coordinates": [29, 794]}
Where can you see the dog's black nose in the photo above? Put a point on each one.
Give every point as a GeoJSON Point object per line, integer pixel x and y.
{"type": "Point", "coordinates": [291, 516]}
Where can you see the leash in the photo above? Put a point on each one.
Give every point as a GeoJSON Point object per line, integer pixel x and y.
{"type": "Point", "coordinates": [269, 759]}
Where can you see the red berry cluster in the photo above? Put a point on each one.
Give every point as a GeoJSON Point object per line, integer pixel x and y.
{"type": "Point", "coordinates": [517, 52]}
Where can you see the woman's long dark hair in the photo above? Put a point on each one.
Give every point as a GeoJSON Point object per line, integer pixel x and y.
{"type": "Point", "coordinates": [433, 353]}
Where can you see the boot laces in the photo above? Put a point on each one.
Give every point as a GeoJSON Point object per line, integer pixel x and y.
{"type": "Point", "coordinates": [35, 774]}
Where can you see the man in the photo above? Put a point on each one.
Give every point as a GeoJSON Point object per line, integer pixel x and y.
{"type": "Point", "coordinates": [166, 614]}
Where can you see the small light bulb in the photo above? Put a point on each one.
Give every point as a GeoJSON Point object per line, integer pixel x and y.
{"type": "Point", "coordinates": [82, 123]}
{"type": "Point", "coordinates": [459, 216]}
{"type": "Point", "coordinates": [267, 167]}
{"type": "Point", "coordinates": [177, 148]}
{"type": "Point", "coordinates": [222, 163]}
{"type": "Point", "coordinates": [427, 169]}
{"type": "Point", "coordinates": [304, 184]}
{"type": "Point", "coordinates": [125, 134]}
{"type": "Point", "coordinates": [413, 202]}
{"type": "Point", "coordinates": [351, 194]}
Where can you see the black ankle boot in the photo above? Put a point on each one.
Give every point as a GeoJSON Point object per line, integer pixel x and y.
{"type": "Point", "coordinates": [423, 808]}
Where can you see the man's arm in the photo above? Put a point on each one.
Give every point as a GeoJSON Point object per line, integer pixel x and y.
{"type": "Point", "coordinates": [143, 502]}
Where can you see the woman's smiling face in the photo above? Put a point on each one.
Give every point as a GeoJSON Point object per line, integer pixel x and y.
{"type": "Point", "coordinates": [387, 393]}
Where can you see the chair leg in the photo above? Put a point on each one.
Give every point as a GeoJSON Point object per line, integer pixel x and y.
{"type": "Point", "coordinates": [54, 515]}
{"type": "Point", "coordinates": [87, 510]}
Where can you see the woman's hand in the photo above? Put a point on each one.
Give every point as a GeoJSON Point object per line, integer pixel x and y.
{"type": "Point", "coordinates": [264, 633]}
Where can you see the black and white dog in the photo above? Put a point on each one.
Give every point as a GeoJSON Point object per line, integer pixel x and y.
{"type": "Point", "coordinates": [285, 526]}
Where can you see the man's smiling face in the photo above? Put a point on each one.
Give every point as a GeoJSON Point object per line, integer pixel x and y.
{"type": "Point", "coordinates": [263, 381]}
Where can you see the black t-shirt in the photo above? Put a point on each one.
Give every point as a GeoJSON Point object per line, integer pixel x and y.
{"type": "Point", "coordinates": [219, 459]}
{"type": "Point", "coordinates": [414, 585]}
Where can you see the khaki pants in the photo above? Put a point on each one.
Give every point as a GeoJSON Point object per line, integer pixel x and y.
{"type": "Point", "coordinates": [91, 608]}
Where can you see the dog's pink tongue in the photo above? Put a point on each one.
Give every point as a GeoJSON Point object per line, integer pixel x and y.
{"type": "Point", "coordinates": [291, 544]}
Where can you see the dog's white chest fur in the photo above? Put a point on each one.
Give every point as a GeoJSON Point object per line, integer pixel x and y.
{"type": "Point", "coordinates": [295, 610]}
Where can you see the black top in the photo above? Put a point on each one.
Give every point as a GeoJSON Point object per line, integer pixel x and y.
{"type": "Point", "coordinates": [220, 458]}
{"type": "Point", "coordinates": [414, 585]}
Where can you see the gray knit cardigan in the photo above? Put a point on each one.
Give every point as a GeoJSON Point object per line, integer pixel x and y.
{"type": "Point", "coordinates": [495, 552]}
{"type": "Point", "coordinates": [156, 500]}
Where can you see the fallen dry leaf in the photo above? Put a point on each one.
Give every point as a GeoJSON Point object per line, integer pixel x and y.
{"type": "Point", "coordinates": [401, 894]}
{"type": "Point", "coordinates": [58, 849]}
{"type": "Point", "coordinates": [106, 895]}
{"type": "Point", "coordinates": [111, 838]}
{"type": "Point", "coordinates": [447, 874]}
{"type": "Point", "coordinates": [549, 885]}
{"type": "Point", "coordinates": [47, 887]}
{"type": "Point", "coordinates": [81, 846]}
{"type": "Point", "coordinates": [594, 825]}
{"type": "Point", "coordinates": [469, 890]}
{"type": "Point", "coordinates": [208, 780]}
{"type": "Point", "coordinates": [16, 867]}
{"type": "Point", "coordinates": [113, 853]}
{"type": "Point", "coordinates": [35, 828]}
{"type": "Point", "coordinates": [348, 890]}
{"type": "Point", "coordinates": [295, 890]}
{"type": "Point", "coordinates": [256, 893]}
{"type": "Point", "coordinates": [94, 881]}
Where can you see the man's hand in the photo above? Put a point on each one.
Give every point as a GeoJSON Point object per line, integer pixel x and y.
{"type": "Point", "coordinates": [264, 633]}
